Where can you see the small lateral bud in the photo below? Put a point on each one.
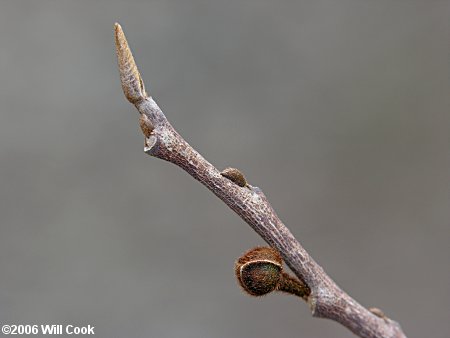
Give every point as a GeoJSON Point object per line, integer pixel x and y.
{"type": "Point", "coordinates": [235, 176]}
{"type": "Point", "coordinates": [146, 125]}
{"type": "Point", "coordinates": [379, 313]}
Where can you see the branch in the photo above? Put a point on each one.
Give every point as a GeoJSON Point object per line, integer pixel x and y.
{"type": "Point", "coordinates": [325, 298]}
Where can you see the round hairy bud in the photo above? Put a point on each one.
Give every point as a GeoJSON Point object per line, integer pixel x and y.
{"type": "Point", "coordinates": [259, 271]}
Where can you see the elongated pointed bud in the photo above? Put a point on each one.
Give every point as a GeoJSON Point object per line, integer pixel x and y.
{"type": "Point", "coordinates": [132, 84]}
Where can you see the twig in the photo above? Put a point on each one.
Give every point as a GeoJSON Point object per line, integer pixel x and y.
{"type": "Point", "coordinates": [326, 299]}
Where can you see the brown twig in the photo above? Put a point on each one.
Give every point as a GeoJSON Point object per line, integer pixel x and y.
{"type": "Point", "coordinates": [326, 299]}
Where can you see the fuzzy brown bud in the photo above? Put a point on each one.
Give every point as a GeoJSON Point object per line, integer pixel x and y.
{"type": "Point", "coordinates": [259, 271]}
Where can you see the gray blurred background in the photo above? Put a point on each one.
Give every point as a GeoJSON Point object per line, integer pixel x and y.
{"type": "Point", "coordinates": [338, 110]}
